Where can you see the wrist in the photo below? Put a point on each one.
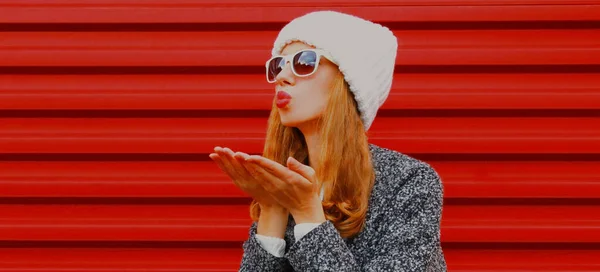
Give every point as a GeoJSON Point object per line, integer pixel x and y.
{"type": "Point", "coordinates": [311, 215]}
{"type": "Point", "coordinates": [273, 209]}
{"type": "Point", "coordinates": [272, 222]}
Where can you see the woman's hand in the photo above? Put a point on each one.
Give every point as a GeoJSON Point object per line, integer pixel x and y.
{"type": "Point", "coordinates": [226, 160]}
{"type": "Point", "coordinates": [294, 187]}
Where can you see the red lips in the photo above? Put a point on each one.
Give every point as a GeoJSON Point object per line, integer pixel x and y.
{"type": "Point", "coordinates": [283, 99]}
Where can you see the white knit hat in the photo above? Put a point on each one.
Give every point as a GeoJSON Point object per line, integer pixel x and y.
{"type": "Point", "coordinates": [365, 53]}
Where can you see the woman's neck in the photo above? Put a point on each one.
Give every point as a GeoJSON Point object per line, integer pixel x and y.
{"type": "Point", "coordinates": [313, 143]}
{"type": "Point", "coordinates": [314, 149]}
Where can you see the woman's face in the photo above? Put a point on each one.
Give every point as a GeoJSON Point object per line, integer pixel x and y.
{"type": "Point", "coordinates": [309, 95]}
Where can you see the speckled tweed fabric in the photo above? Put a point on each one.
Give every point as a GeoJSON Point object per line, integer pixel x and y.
{"type": "Point", "coordinates": [402, 230]}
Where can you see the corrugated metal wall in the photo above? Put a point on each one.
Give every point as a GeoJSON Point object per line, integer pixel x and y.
{"type": "Point", "coordinates": [109, 108]}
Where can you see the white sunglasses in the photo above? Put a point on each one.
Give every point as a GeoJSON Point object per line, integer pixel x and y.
{"type": "Point", "coordinates": [304, 63]}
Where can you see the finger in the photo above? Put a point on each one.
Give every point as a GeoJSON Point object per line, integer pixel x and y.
{"type": "Point", "coordinates": [216, 158]}
{"type": "Point", "coordinates": [304, 170]}
{"type": "Point", "coordinates": [213, 156]}
{"type": "Point", "coordinates": [266, 179]}
{"type": "Point", "coordinates": [274, 168]}
{"type": "Point", "coordinates": [226, 160]}
{"type": "Point", "coordinates": [250, 167]}
{"type": "Point", "coordinates": [241, 171]}
{"type": "Point", "coordinates": [236, 162]}
{"type": "Point", "coordinates": [243, 186]}
{"type": "Point", "coordinates": [219, 161]}
{"type": "Point", "coordinates": [241, 156]}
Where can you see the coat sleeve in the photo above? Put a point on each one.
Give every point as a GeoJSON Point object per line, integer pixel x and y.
{"type": "Point", "coordinates": [256, 258]}
{"type": "Point", "coordinates": [408, 241]}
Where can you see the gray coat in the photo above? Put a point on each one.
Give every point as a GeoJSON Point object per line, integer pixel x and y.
{"type": "Point", "coordinates": [402, 227]}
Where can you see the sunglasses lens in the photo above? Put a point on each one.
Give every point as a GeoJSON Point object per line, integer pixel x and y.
{"type": "Point", "coordinates": [274, 68]}
{"type": "Point", "coordinates": [305, 62]}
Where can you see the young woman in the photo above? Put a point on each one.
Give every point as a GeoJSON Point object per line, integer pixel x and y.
{"type": "Point", "coordinates": [325, 199]}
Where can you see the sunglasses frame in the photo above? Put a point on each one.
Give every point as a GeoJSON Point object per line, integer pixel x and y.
{"type": "Point", "coordinates": [289, 58]}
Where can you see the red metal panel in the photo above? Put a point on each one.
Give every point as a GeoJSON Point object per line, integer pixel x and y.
{"type": "Point", "coordinates": [229, 223]}
{"type": "Point", "coordinates": [198, 259]}
{"type": "Point", "coordinates": [462, 179]}
{"type": "Point", "coordinates": [557, 91]}
{"type": "Point", "coordinates": [499, 96]}
{"type": "Point", "coordinates": [121, 259]}
{"type": "Point", "coordinates": [200, 135]}
{"type": "Point", "coordinates": [269, 11]}
{"type": "Point", "coordinates": [418, 47]}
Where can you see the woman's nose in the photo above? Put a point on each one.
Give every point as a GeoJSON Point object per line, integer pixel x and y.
{"type": "Point", "coordinates": [286, 75]}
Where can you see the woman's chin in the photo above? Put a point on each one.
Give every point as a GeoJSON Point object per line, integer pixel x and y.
{"type": "Point", "coordinates": [288, 120]}
{"type": "Point", "coordinates": [288, 123]}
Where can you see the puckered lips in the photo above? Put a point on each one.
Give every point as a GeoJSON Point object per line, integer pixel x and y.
{"type": "Point", "coordinates": [283, 99]}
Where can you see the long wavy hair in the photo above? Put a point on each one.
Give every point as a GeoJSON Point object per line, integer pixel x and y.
{"type": "Point", "coordinates": [344, 167]}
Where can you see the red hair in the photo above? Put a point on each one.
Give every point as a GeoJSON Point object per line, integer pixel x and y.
{"type": "Point", "coordinates": [344, 166]}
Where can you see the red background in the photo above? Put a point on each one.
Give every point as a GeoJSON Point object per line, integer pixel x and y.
{"type": "Point", "coordinates": [108, 110]}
